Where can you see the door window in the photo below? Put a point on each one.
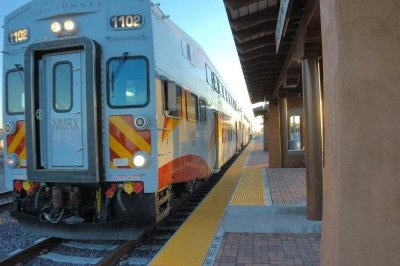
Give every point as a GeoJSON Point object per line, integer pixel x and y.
{"type": "Point", "coordinates": [62, 73]}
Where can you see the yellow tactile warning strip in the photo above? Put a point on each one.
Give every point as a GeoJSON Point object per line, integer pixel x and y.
{"type": "Point", "coordinates": [250, 190]}
{"type": "Point", "coordinates": [190, 244]}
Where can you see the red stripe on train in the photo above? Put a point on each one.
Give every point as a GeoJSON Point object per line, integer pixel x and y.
{"type": "Point", "coordinates": [183, 169]}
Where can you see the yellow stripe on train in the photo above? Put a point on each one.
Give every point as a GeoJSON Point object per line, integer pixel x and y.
{"type": "Point", "coordinates": [17, 140]}
{"type": "Point", "coordinates": [131, 134]}
{"type": "Point", "coordinates": [120, 151]}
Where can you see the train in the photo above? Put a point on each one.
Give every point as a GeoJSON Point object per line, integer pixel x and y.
{"type": "Point", "coordinates": [111, 113]}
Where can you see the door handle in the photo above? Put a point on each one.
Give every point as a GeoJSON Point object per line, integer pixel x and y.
{"type": "Point", "coordinates": [78, 149]}
{"type": "Point", "coordinates": [38, 114]}
{"type": "Point", "coordinates": [76, 113]}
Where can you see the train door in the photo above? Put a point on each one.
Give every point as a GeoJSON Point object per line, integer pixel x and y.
{"type": "Point", "coordinates": [236, 136]}
{"type": "Point", "coordinates": [61, 117]}
{"type": "Point", "coordinates": [217, 140]}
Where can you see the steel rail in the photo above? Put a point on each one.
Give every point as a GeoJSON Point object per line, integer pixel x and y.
{"type": "Point", "coordinates": [5, 199]}
{"type": "Point", "coordinates": [30, 252]}
{"type": "Point", "coordinates": [115, 257]}
{"type": "Point", "coordinates": [5, 194]}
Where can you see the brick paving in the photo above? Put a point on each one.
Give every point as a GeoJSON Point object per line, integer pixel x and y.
{"type": "Point", "coordinates": [258, 158]}
{"type": "Point", "coordinates": [237, 249]}
{"type": "Point", "coordinates": [288, 185]}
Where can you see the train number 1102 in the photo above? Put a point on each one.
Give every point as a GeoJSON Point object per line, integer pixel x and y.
{"type": "Point", "coordinates": [126, 22]}
{"type": "Point", "coordinates": [18, 36]}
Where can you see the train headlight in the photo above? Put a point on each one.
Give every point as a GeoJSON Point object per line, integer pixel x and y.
{"type": "Point", "coordinates": [9, 128]}
{"type": "Point", "coordinates": [141, 122]}
{"type": "Point", "coordinates": [56, 28]}
{"type": "Point", "coordinates": [140, 159]}
{"type": "Point", "coordinates": [12, 160]}
{"type": "Point", "coordinates": [69, 26]}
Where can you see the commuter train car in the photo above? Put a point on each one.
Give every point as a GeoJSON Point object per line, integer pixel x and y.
{"type": "Point", "coordinates": [110, 113]}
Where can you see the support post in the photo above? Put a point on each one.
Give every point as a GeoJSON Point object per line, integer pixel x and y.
{"type": "Point", "coordinates": [274, 136]}
{"type": "Point", "coordinates": [266, 131]}
{"type": "Point", "coordinates": [283, 130]}
{"type": "Point", "coordinates": [313, 130]}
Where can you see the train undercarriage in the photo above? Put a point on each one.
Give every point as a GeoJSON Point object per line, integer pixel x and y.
{"type": "Point", "coordinates": [106, 211]}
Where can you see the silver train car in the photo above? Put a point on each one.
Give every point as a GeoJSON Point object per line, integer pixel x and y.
{"type": "Point", "coordinates": [110, 112]}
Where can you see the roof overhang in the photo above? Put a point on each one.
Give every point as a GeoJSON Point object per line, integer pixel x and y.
{"type": "Point", "coordinates": [271, 38]}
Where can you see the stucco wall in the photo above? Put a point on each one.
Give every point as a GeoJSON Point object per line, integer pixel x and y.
{"type": "Point", "coordinates": [361, 220]}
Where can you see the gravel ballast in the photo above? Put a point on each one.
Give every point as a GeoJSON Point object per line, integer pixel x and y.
{"type": "Point", "coordinates": [12, 236]}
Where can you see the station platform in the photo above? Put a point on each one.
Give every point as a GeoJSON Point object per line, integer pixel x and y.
{"type": "Point", "coordinates": [255, 215]}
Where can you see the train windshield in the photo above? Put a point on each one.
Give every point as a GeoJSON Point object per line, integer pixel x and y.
{"type": "Point", "coordinates": [128, 82]}
{"type": "Point", "coordinates": [15, 92]}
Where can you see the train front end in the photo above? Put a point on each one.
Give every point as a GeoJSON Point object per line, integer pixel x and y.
{"type": "Point", "coordinates": [79, 118]}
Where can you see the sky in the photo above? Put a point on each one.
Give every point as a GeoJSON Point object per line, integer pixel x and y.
{"type": "Point", "coordinates": [205, 21]}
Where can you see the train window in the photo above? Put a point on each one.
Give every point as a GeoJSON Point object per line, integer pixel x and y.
{"type": "Point", "coordinates": [215, 82]}
{"type": "Point", "coordinates": [209, 75]}
{"type": "Point", "coordinates": [189, 54]}
{"type": "Point", "coordinates": [171, 106]}
{"type": "Point", "coordinates": [62, 85]}
{"type": "Point", "coordinates": [220, 87]}
{"type": "Point", "coordinates": [127, 82]}
{"type": "Point", "coordinates": [192, 110]}
{"type": "Point", "coordinates": [186, 50]}
{"type": "Point", "coordinates": [15, 92]}
{"type": "Point", "coordinates": [203, 109]}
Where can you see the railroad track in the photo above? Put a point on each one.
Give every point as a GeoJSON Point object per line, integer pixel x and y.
{"type": "Point", "coordinates": [5, 199]}
{"type": "Point", "coordinates": [132, 252]}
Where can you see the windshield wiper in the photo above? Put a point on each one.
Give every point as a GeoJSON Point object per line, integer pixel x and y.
{"type": "Point", "coordinates": [117, 70]}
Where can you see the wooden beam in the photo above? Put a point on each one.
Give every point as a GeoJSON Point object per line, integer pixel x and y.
{"type": "Point", "coordinates": [262, 63]}
{"type": "Point", "coordinates": [301, 32]}
{"type": "Point", "coordinates": [259, 80]}
{"type": "Point", "coordinates": [264, 59]}
{"type": "Point", "coordinates": [265, 27]}
{"type": "Point", "coordinates": [263, 41]}
{"type": "Point", "coordinates": [260, 75]}
{"type": "Point", "coordinates": [268, 14]}
{"type": "Point", "coordinates": [260, 67]}
{"type": "Point", "coordinates": [270, 76]}
{"type": "Point", "coordinates": [263, 87]}
{"type": "Point", "coordinates": [265, 68]}
{"type": "Point", "coordinates": [235, 4]}
{"type": "Point", "coordinates": [262, 51]}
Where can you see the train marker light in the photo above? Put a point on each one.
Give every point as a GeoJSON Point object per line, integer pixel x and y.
{"type": "Point", "coordinates": [140, 159]}
{"type": "Point", "coordinates": [141, 122]}
{"type": "Point", "coordinates": [27, 186]}
{"type": "Point", "coordinates": [111, 190]}
{"type": "Point", "coordinates": [69, 26]}
{"type": "Point", "coordinates": [18, 186]}
{"type": "Point", "coordinates": [128, 187]}
{"type": "Point", "coordinates": [56, 28]}
{"type": "Point", "coordinates": [9, 128]}
{"type": "Point", "coordinates": [12, 160]}
{"type": "Point", "coordinates": [138, 187]}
